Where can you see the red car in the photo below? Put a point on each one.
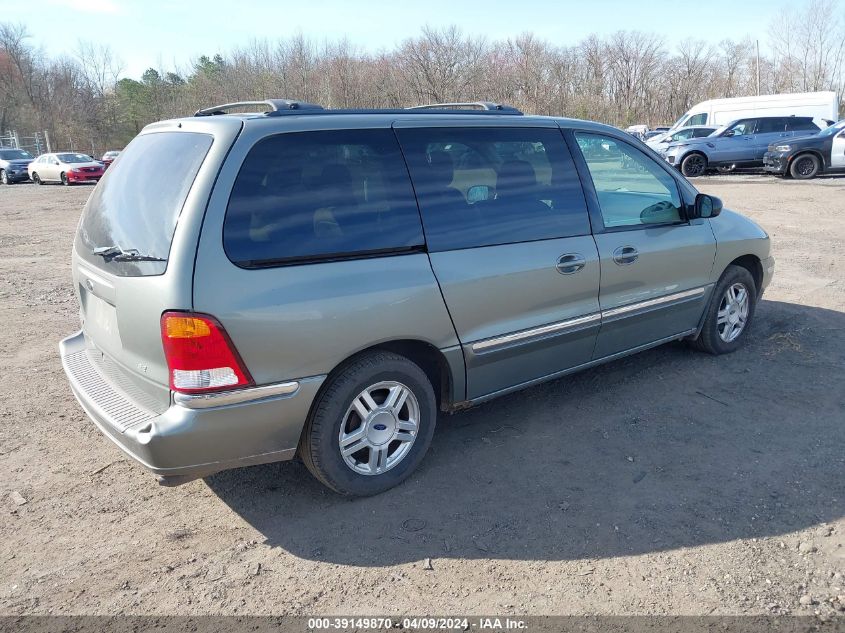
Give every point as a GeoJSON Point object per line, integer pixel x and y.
{"type": "Point", "coordinates": [108, 158]}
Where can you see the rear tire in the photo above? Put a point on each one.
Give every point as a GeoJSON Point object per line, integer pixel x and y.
{"type": "Point", "coordinates": [729, 314]}
{"type": "Point", "coordinates": [694, 165]}
{"type": "Point", "coordinates": [804, 166]}
{"type": "Point", "coordinates": [367, 384]}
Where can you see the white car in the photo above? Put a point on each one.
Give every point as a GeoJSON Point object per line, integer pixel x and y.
{"type": "Point", "coordinates": [65, 167]}
{"type": "Point", "coordinates": [662, 141]}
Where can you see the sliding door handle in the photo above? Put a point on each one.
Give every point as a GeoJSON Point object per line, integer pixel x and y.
{"type": "Point", "coordinates": [570, 263]}
{"type": "Point", "coordinates": [625, 255]}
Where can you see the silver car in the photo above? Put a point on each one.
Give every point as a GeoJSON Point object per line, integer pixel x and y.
{"type": "Point", "coordinates": [323, 283]}
{"type": "Point", "coordinates": [67, 168]}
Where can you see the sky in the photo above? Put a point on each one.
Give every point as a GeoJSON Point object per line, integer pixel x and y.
{"type": "Point", "coordinates": [169, 33]}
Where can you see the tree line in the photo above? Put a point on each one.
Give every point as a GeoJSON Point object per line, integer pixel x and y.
{"type": "Point", "coordinates": [85, 103]}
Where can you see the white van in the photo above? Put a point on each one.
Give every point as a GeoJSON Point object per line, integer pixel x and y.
{"type": "Point", "coordinates": [716, 112]}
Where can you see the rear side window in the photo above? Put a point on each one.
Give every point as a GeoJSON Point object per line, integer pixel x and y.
{"type": "Point", "coordinates": [136, 205]}
{"type": "Point", "coordinates": [488, 186]}
{"type": "Point", "coordinates": [771, 125]}
{"type": "Point", "coordinates": [801, 124]}
{"type": "Point", "coordinates": [313, 196]}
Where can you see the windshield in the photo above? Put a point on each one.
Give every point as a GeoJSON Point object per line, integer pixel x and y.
{"type": "Point", "coordinates": [74, 158]}
{"type": "Point", "coordinates": [833, 129]}
{"type": "Point", "coordinates": [125, 213]}
{"type": "Point", "coordinates": [14, 154]}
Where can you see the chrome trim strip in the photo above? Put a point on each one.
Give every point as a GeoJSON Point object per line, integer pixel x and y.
{"type": "Point", "coordinates": [577, 368]}
{"type": "Point", "coordinates": [650, 303]}
{"type": "Point", "coordinates": [544, 330]}
{"type": "Point", "coordinates": [237, 396]}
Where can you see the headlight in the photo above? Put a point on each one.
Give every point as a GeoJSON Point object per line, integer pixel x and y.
{"type": "Point", "coordinates": [783, 148]}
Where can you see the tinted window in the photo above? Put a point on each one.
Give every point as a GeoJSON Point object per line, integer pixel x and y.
{"type": "Point", "coordinates": [483, 186]}
{"type": "Point", "coordinates": [702, 132]}
{"type": "Point", "coordinates": [316, 195]}
{"type": "Point", "coordinates": [801, 124]}
{"type": "Point", "coordinates": [771, 125]}
{"type": "Point", "coordinates": [138, 201]}
{"type": "Point", "coordinates": [631, 187]}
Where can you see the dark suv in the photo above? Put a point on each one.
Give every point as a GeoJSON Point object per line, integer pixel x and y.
{"type": "Point", "coordinates": [13, 165]}
{"type": "Point", "coordinates": [741, 143]}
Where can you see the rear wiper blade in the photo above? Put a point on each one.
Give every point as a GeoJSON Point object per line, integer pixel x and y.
{"type": "Point", "coordinates": [117, 254]}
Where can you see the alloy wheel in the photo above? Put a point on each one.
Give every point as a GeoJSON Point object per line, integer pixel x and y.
{"type": "Point", "coordinates": [733, 312]}
{"type": "Point", "coordinates": [805, 166]}
{"type": "Point", "coordinates": [379, 428]}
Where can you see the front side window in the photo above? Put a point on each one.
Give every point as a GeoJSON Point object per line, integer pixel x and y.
{"type": "Point", "coordinates": [632, 188]}
{"type": "Point", "coordinates": [697, 119]}
{"type": "Point", "coordinates": [311, 196]}
{"type": "Point", "coordinates": [742, 128]}
{"type": "Point", "coordinates": [489, 186]}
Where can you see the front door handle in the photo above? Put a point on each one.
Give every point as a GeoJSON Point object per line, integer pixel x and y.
{"type": "Point", "coordinates": [570, 263]}
{"type": "Point", "coordinates": [625, 255]}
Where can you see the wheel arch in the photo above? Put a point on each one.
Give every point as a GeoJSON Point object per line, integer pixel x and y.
{"type": "Point", "coordinates": [754, 266]}
{"type": "Point", "coordinates": [445, 378]}
{"type": "Point", "coordinates": [809, 150]}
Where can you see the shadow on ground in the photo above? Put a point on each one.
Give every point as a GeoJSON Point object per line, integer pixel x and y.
{"type": "Point", "coordinates": [670, 448]}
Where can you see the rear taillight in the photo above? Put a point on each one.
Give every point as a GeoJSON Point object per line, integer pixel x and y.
{"type": "Point", "coordinates": [200, 355]}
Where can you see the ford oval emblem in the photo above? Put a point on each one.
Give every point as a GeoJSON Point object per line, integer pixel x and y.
{"type": "Point", "coordinates": [89, 284]}
{"type": "Point", "coordinates": [380, 427]}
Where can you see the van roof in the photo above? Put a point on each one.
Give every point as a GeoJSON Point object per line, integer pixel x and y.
{"type": "Point", "coordinates": [277, 110]}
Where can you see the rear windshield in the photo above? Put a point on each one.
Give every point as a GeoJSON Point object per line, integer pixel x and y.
{"type": "Point", "coordinates": [132, 213]}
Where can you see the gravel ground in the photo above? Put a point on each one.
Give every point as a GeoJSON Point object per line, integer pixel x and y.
{"type": "Point", "coordinates": [670, 482]}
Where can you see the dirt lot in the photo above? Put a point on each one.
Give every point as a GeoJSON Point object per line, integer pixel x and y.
{"type": "Point", "coordinates": [671, 482]}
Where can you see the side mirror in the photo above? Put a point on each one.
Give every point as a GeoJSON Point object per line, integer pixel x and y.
{"type": "Point", "coordinates": [478, 193]}
{"type": "Point", "coordinates": [707, 206]}
{"type": "Point", "coordinates": [729, 133]}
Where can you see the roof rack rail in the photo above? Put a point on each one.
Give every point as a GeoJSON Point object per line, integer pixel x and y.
{"type": "Point", "coordinates": [487, 106]}
{"type": "Point", "coordinates": [274, 105]}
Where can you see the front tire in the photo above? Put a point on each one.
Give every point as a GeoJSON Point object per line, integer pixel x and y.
{"type": "Point", "coordinates": [371, 425]}
{"type": "Point", "coordinates": [694, 165]}
{"type": "Point", "coordinates": [730, 313]}
{"type": "Point", "coordinates": [4, 177]}
{"type": "Point", "coordinates": [804, 167]}
{"type": "Point", "coordinates": [65, 181]}
{"type": "Point", "coordinates": [37, 179]}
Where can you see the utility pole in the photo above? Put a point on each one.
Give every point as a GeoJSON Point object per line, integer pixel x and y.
{"type": "Point", "coordinates": [758, 67]}
{"type": "Point", "coordinates": [47, 140]}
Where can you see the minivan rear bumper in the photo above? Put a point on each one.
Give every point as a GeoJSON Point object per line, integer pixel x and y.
{"type": "Point", "coordinates": [192, 438]}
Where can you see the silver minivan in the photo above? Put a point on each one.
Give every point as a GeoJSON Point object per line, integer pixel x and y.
{"type": "Point", "coordinates": [322, 283]}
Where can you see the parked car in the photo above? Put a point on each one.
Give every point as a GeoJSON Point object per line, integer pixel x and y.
{"type": "Point", "coordinates": [108, 158]}
{"type": "Point", "coordinates": [716, 112]}
{"type": "Point", "coordinates": [742, 143]}
{"type": "Point", "coordinates": [662, 141]}
{"type": "Point", "coordinates": [13, 164]}
{"type": "Point", "coordinates": [67, 168]}
{"type": "Point", "coordinates": [807, 156]}
{"type": "Point", "coordinates": [322, 283]}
